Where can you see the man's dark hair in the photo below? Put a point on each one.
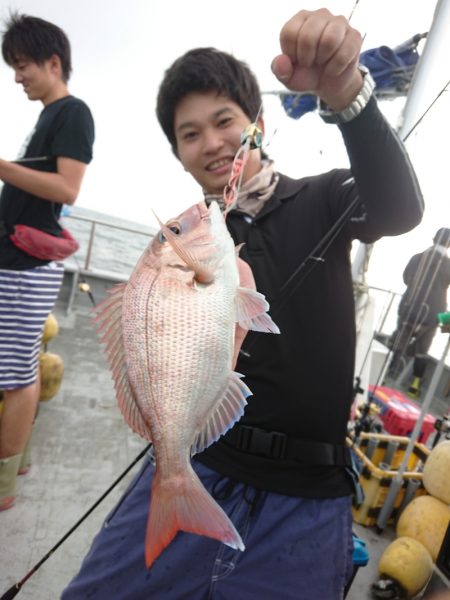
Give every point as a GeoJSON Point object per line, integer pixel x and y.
{"type": "Point", "coordinates": [37, 40]}
{"type": "Point", "coordinates": [205, 70]}
{"type": "Point", "coordinates": [442, 237]}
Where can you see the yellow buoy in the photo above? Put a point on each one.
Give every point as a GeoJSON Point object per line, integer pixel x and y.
{"type": "Point", "coordinates": [436, 472]}
{"type": "Point", "coordinates": [407, 562]}
{"type": "Point", "coordinates": [51, 329]}
{"type": "Point", "coordinates": [425, 519]}
{"type": "Point", "coordinates": [52, 371]}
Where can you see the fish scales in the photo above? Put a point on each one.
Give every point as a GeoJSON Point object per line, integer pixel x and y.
{"type": "Point", "coordinates": [170, 336]}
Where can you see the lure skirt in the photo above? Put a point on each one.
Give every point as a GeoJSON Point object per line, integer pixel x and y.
{"type": "Point", "coordinates": [26, 299]}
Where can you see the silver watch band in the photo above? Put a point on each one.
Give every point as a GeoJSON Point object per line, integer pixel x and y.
{"type": "Point", "coordinates": [352, 111]}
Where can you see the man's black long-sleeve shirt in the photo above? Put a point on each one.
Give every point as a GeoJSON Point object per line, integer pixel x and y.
{"type": "Point", "coordinates": [302, 380]}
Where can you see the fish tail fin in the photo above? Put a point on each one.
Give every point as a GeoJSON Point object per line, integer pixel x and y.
{"type": "Point", "coordinates": [185, 506]}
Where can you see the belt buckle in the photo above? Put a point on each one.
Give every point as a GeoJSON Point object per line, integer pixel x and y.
{"type": "Point", "coordinates": [278, 445]}
{"type": "Point", "coordinates": [257, 441]}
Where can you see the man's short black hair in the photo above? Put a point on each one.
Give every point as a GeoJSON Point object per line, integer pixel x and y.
{"type": "Point", "coordinates": [206, 70]}
{"type": "Point", "coordinates": [37, 40]}
{"type": "Point", "coordinates": [442, 237]}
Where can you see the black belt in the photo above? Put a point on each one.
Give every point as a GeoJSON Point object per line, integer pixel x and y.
{"type": "Point", "coordinates": [276, 445]}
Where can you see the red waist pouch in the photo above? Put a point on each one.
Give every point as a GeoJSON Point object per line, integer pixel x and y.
{"type": "Point", "coordinates": [42, 245]}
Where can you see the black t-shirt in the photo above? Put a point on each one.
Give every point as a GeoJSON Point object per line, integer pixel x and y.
{"type": "Point", "coordinates": [65, 128]}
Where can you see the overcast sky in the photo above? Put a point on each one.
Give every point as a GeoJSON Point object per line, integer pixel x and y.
{"type": "Point", "coordinates": [120, 52]}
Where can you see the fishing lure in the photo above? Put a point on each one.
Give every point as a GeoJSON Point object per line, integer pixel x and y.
{"type": "Point", "coordinates": [251, 138]}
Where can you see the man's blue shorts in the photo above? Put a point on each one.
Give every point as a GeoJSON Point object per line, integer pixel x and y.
{"type": "Point", "coordinates": [296, 549]}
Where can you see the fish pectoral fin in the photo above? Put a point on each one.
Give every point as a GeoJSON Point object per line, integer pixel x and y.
{"type": "Point", "coordinates": [108, 323]}
{"type": "Point", "coordinates": [227, 410]}
{"type": "Point", "coordinates": [251, 311]}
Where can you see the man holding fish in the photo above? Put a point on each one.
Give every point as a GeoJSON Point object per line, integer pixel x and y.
{"type": "Point", "coordinates": [275, 461]}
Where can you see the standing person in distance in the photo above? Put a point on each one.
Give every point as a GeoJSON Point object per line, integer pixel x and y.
{"type": "Point", "coordinates": [427, 279]}
{"type": "Point", "coordinates": [47, 175]}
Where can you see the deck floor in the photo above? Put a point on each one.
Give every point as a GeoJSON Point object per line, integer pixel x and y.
{"type": "Point", "coordinates": [80, 446]}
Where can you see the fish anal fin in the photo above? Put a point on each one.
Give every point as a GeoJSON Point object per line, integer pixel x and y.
{"type": "Point", "coordinates": [251, 311]}
{"type": "Point", "coordinates": [108, 323]}
{"type": "Point", "coordinates": [227, 411]}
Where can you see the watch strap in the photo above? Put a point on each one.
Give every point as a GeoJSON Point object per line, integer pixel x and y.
{"type": "Point", "coordinates": [359, 103]}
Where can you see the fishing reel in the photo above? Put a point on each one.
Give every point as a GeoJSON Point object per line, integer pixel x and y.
{"type": "Point", "coordinates": [442, 427]}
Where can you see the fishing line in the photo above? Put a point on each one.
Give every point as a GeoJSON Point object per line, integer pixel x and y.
{"type": "Point", "coordinates": [353, 10]}
{"type": "Point", "coordinates": [251, 138]}
{"type": "Point", "coordinates": [384, 310]}
{"type": "Point", "coordinates": [444, 89]}
{"type": "Point", "coordinates": [312, 260]}
{"type": "Point", "coordinates": [15, 589]}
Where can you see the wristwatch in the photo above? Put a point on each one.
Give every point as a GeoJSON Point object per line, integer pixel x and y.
{"type": "Point", "coordinates": [352, 111]}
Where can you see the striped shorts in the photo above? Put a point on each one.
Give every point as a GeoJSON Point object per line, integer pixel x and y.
{"type": "Point", "coordinates": [26, 299]}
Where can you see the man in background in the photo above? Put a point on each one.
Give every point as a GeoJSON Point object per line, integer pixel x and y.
{"type": "Point", "coordinates": [427, 277]}
{"type": "Point", "coordinates": [47, 174]}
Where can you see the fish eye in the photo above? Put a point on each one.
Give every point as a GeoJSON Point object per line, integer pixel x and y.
{"type": "Point", "coordinates": [176, 230]}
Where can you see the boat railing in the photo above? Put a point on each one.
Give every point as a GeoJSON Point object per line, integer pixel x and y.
{"type": "Point", "coordinates": [108, 251]}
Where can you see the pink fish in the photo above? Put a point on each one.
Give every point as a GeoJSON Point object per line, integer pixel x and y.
{"type": "Point", "coordinates": [170, 342]}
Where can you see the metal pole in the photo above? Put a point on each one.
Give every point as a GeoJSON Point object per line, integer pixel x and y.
{"type": "Point", "coordinates": [425, 79]}
{"type": "Point", "coordinates": [87, 261]}
{"type": "Point", "coordinates": [397, 481]}
{"type": "Point", "coordinates": [387, 311]}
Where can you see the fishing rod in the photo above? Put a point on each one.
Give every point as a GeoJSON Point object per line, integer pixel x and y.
{"type": "Point", "coordinates": [83, 285]}
{"type": "Point", "coordinates": [15, 589]}
{"type": "Point", "coordinates": [444, 89]}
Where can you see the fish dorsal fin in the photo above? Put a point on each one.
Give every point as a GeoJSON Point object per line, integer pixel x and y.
{"type": "Point", "coordinates": [108, 323]}
{"type": "Point", "coordinates": [229, 409]}
{"type": "Point", "coordinates": [251, 311]}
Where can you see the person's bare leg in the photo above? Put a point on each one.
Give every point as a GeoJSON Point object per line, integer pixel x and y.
{"type": "Point", "coordinates": [19, 411]}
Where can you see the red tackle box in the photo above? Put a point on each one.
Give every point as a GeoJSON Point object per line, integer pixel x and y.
{"type": "Point", "coordinates": [398, 414]}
